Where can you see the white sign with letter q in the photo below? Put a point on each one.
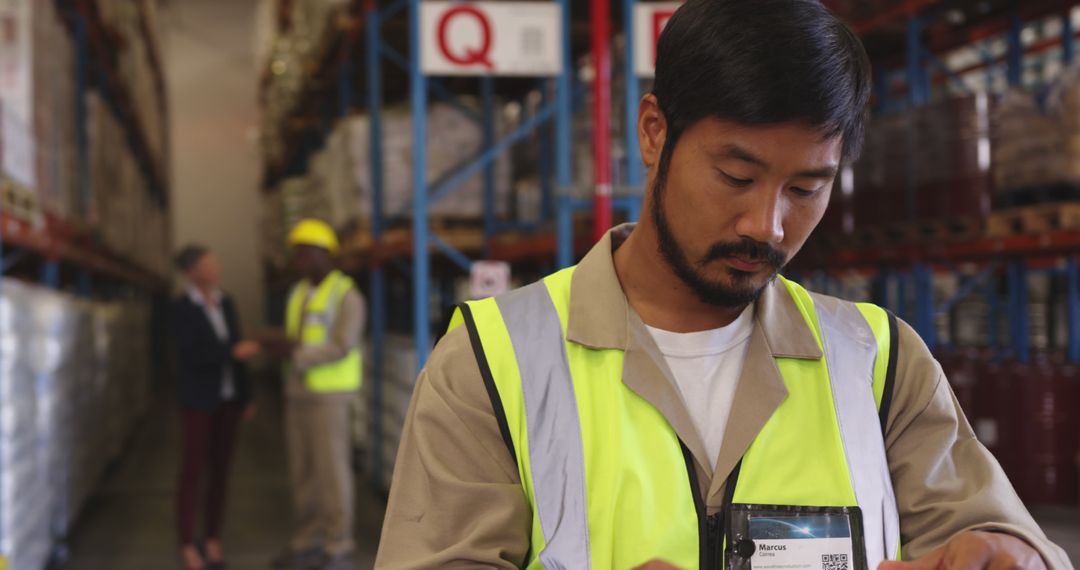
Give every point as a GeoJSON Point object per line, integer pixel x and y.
{"type": "Point", "coordinates": [491, 38]}
{"type": "Point", "coordinates": [650, 18]}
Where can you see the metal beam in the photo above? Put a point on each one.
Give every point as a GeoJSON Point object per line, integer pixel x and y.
{"type": "Point", "coordinates": [633, 95]}
{"type": "Point", "coordinates": [487, 98]}
{"type": "Point", "coordinates": [421, 260]}
{"type": "Point", "coordinates": [1072, 308]}
{"type": "Point", "coordinates": [455, 179]}
{"type": "Point", "coordinates": [601, 135]}
{"type": "Point", "coordinates": [459, 259]}
{"type": "Point", "coordinates": [377, 278]}
{"type": "Point", "coordinates": [1015, 57]}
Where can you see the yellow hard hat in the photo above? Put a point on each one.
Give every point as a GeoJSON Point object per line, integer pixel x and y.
{"type": "Point", "coordinates": [314, 232]}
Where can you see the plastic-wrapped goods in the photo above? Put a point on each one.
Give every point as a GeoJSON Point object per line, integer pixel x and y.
{"type": "Point", "coordinates": [72, 380]}
{"type": "Point", "coordinates": [1037, 141]}
{"type": "Point", "coordinates": [25, 502]}
{"type": "Point", "coordinates": [36, 90]}
{"type": "Point", "coordinates": [930, 163]}
{"type": "Point", "coordinates": [453, 139]}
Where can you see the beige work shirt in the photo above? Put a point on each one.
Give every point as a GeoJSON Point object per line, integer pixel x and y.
{"type": "Point", "coordinates": [456, 498]}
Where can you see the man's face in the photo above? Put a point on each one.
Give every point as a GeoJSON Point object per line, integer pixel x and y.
{"type": "Point", "coordinates": [309, 259]}
{"type": "Point", "coordinates": [736, 202]}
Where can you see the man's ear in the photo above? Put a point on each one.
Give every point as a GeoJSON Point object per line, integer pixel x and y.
{"type": "Point", "coordinates": [652, 130]}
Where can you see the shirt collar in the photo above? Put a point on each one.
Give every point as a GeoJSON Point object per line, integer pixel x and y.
{"type": "Point", "coordinates": [599, 312]}
{"type": "Point", "coordinates": [196, 296]}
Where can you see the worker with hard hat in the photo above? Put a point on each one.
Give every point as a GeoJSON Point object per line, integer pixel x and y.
{"type": "Point", "coordinates": [324, 318]}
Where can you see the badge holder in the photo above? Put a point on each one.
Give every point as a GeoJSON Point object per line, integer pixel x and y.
{"type": "Point", "coordinates": [777, 537]}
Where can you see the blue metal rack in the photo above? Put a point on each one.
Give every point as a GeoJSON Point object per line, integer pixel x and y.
{"type": "Point", "coordinates": [556, 112]}
{"type": "Point", "coordinates": [424, 194]}
{"type": "Point", "coordinates": [907, 289]}
{"type": "Point", "coordinates": [92, 72]}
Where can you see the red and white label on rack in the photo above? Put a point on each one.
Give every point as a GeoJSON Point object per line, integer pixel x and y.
{"type": "Point", "coordinates": [649, 20]}
{"type": "Point", "coordinates": [488, 279]}
{"type": "Point", "coordinates": [491, 38]}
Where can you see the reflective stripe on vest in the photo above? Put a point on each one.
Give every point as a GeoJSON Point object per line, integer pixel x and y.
{"type": "Point", "coordinates": [317, 319]}
{"type": "Point", "coordinates": [605, 472]}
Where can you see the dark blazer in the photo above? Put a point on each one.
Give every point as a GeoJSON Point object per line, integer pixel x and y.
{"type": "Point", "coordinates": [201, 357]}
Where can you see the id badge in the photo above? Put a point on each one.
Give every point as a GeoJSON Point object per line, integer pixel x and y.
{"type": "Point", "coordinates": [776, 537]}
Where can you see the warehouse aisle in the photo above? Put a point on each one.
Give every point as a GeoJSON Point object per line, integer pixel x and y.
{"type": "Point", "coordinates": [128, 525]}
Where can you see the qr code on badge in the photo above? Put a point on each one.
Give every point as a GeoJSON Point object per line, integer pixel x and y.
{"type": "Point", "coordinates": [834, 562]}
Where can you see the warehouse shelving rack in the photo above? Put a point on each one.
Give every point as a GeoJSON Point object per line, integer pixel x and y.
{"type": "Point", "coordinates": [522, 241]}
{"type": "Point", "coordinates": [901, 268]}
{"type": "Point", "coordinates": [57, 244]}
{"type": "Point", "coordinates": [909, 24]}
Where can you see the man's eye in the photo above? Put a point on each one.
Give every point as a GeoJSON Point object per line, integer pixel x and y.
{"type": "Point", "coordinates": [736, 182]}
{"type": "Point", "coordinates": [803, 192]}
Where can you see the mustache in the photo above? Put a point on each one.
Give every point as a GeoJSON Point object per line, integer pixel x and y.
{"type": "Point", "coordinates": [748, 249]}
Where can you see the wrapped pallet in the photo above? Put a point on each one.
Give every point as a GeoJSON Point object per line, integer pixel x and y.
{"type": "Point", "coordinates": [1037, 144]}
{"type": "Point", "coordinates": [73, 379]}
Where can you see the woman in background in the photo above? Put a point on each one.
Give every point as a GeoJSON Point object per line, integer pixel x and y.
{"type": "Point", "coordinates": [214, 395]}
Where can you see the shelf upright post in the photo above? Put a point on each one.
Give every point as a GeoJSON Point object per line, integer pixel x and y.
{"type": "Point", "coordinates": [376, 278]}
{"type": "Point", "coordinates": [50, 274]}
{"type": "Point", "coordinates": [901, 294]}
{"type": "Point", "coordinates": [601, 136]}
{"type": "Point", "coordinates": [487, 97]}
{"type": "Point", "coordinates": [1015, 54]}
{"type": "Point", "coordinates": [421, 257]}
{"type": "Point", "coordinates": [544, 161]}
{"type": "Point", "coordinates": [1018, 314]}
{"type": "Point", "coordinates": [917, 92]}
{"type": "Point", "coordinates": [993, 310]}
{"type": "Point", "coordinates": [633, 98]}
{"type": "Point", "coordinates": [1068, 40]}
{"type": "Point", "coordinates": [1072, 305]}
{"type": "Point", "coordinates": [924, 304]}
{"type": "Point", "coordinates": [81, 137]}
{"type": "Point", "coordinates": [564, 148]}
{"type": "Point", "coordinates": [564, 226]}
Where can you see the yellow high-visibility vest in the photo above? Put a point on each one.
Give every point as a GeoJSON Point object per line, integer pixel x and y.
{"type": "Point", "coordinates": [608, 479]}
{"type": "Point", "coordinates": [344, 375]}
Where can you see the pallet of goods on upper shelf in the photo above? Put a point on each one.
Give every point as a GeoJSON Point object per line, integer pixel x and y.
{"type": "Point", "coordinates": [1037, 144]}
{"type": "Point", "coordinates": [923, 176]}
{"type": "Point", "coordinates": [338, 185]}
{"type": "Point", "coordinates": [40, 180]}
{"type": "Point", "coordinates": [290, 58]}
{"type": "Point", "coordinates": [37, 111]}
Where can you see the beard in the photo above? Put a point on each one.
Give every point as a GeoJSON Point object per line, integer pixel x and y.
{"type": "Point", "coordinates": [740, 288]}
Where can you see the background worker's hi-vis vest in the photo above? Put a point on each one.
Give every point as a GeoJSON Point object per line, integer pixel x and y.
{"type": "Point", "coordinates": [610, 483]}
{"type": "Point", "coordinates": [343, 375]}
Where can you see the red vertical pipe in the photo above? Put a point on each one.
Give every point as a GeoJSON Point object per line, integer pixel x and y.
{"type": "Point", "coordinates": [601, 48]}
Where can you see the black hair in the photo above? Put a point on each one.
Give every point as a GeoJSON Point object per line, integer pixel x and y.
{"type": "Point", "coordinates": [188, 257]}
{"type": "Point", "coordinates": [760, 62]}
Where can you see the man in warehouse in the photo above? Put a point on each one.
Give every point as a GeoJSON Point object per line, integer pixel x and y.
{"type": "Point", "coordinates": [671, 402]}
{"type": "Point", "coordinates": [324, 317]}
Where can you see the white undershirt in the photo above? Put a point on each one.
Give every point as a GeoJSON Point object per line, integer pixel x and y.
{"type": "Point", "coordinates": [706, 366]}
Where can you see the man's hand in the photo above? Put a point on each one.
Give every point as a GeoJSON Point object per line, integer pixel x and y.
{"type": "Point", "coordinates": [976, 550]}
{"type": "Point", "coordinates": [657, 565]}
{"type": "Point", "coordinates": [246, 350]}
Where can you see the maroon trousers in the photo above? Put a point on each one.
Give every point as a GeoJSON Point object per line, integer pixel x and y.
{"type": "Point", "coordinates": [208, 441]}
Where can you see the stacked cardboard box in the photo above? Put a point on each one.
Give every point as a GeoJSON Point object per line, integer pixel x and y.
{"type": "Point", "coordinates": [1037, 139]}
{"type": "Point", "coordinates": [37, 93]}
{"type": "Point", "coordinates": [930, 163]}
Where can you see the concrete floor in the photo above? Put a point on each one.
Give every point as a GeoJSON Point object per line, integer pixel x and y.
{"type": "Point", "coordinates": [129, 525]}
